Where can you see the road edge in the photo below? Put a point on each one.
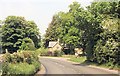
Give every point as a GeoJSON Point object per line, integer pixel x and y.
{"type": "Point", "coordinates": [91, 66]}
{"type": "Point", "coordinates": [42, 70]}
{"type": "Point", "coordinates": [102, 68]}
{"type": "Point", "coordinates": [105, 69]}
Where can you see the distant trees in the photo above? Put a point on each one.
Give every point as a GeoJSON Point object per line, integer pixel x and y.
{"type": "Point", "coordinates": [0, 36]}
{"type": "Point", "coordinates": [52, 31]}
{"type": "Point", "coordinates": [95, 29]}
{"type": "Point", "coordinates": [15, 29]}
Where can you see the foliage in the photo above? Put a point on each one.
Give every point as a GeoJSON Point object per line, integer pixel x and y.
{"type": "Point", "coordinates": [52, 31]}
{"type": "Point", "coordinates": [20, 68]}
{"type": "Point", "coordinates": [107, 48]}
{"type": "Point", "coordinates": [80, 59]}
{"type": "Point", "coordinates": [42, 51]}
{"type": "Point", "coordinates": [32, 32]}
{"type": "Point", "coordinates": [23, 62]}
{"type": "Point", "coordinates": [15, 29]}
{"type": "Point", "coordinates": [13, 32]}
{"type": "Point", "coordinates": [74, 59]}
{"type": "Point", "coordinates": [27, 44]}
{"type": "Point", "coordinates": [0, 37]}
{"type": "Point", "coordinates": [20, 57]}
{"type": "Point", "coordinates": [95, 29]}
{"type": "Point", "coordinates": [58, 53]}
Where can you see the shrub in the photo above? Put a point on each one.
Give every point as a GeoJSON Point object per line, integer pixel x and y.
{"type": "Point", "coordinates": [24, 62]}
{"type": "Point", "coordinates": [37, 65]}
{"type": "Point", "coordinates": [58, 53]}
{"type": "Point", "coordinates": [107, 52]}
{"type": "Point", "coordinates": [49, 53]}
{"type": "Point", "coordinates": [27, 44]}
{"type": "Point", "coordinates": [21, 68]}
{"type": "Point", "coordinates": [7, 57]}
{"type": "Point", "coordinates": [42, 52]}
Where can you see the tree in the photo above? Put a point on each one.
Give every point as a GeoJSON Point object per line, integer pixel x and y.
{"type": "Point", "coordinates": [0, 36]}
{"type": "Point", "coordinates": [27, 44]}
{"type": "Point", "coordinates": [95, 29]}
{"type": "Point", "coordinates": [33, 33]}
{"type": "Point", "coordinates": [52, 32]}
{"type": "Point", "coordinates": [107, 48]}
{"type": "Point", "coordinates": [15, 29]}
{"type": "Point", "coordinates": [100, 11]}
{"type": "Point", "coordinates": [70, 32]}
{"type": "Point", "coordinates": [13, 32]}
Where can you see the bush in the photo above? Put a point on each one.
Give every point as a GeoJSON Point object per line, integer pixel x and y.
{"type": "Point", "coordinates": [37, 65]}
{"type": "Point", "coordinates": [23, 56]}
{"type": "Point", "coordinates": [107, 52]}
{"type": "Point", "coordinates": [58, 53]}
{"type": "Point", "coordinates": [42, 51]}
{"type": "Point", "coordinates": [21, 68]}
{"type": "Point", "coordinates": [24, 62]}
{"type": "Point", "coordinates": [27, 44]}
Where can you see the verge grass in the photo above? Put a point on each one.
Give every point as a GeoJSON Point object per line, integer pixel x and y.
{"type": "Point", "coordinates": [83, 60]}
{"type": "Point", "coordinates": [74, 59]}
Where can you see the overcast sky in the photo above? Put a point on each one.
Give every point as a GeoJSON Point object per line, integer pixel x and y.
{"type": "Point", "coordinates": [40, 11]}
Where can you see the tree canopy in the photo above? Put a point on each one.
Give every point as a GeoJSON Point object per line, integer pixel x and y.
{"type": "Point", "coordinates": [15, 29]}
{"type": "Point", "coordinates": [95, 29]}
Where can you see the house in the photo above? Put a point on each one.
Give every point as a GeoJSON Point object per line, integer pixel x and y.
{"type": "Point", "coordinates": [54, 45]}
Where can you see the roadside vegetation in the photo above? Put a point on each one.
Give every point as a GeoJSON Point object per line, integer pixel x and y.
{"type": "Point", "coordinates": [20, 39]}
{"type": "Point", "coordinates": [83, 61]}
{"type": "Point", "coordinates": [19, 34]}
{"type": "Point", "coordinates": [95, 29]}
{"type": "Point", "coordinates": [44, 52]}
{"type": "Point", "coordinates": [23, 62]}
{"type": "Point", "coordinates": [73, 58]}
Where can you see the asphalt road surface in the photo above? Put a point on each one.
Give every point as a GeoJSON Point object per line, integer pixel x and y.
{"type": "Point", "coordinates": [61, 66]}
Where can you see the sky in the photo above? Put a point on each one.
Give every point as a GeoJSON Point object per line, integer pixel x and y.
{"type": "Point", "coordinates": [39, 11]}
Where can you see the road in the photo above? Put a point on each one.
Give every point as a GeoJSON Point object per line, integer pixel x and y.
{"type": "Point", "coordinates": [61, 66]}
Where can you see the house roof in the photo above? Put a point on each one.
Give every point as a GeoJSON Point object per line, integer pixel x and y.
{"type": "Point", "coordinates": [52, 43]}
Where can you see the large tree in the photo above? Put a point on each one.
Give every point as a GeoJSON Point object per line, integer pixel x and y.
{"type": "Point", "coordinates": [15, 29]}
{"type": "Point", "coordinates": [33, 33]}
{"type": "Point", "coordinates": [107, 47]}
{"type": "Point", "coordinates": [96, 29]}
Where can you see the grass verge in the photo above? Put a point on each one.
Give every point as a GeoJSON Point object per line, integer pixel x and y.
{"type": "Point", "coordinates": [83, 61]}
{"type": "Point", "coordinates": [74, 59]}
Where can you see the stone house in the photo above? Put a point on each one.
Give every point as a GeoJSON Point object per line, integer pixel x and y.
{"type": "Point", "coordinates": [54, 45]}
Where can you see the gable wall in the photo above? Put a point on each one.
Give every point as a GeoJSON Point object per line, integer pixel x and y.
{"type": "Point", "coordinates": [56, 47]}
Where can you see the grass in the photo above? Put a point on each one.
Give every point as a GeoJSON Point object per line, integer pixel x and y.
{"type": "Point", "coordinates": [25, 62]}
{"type": "Point", "coordinates": [83, 60]}
{"type": "Point", "coordinates": [115, 67]}
{"type": "Point", "coordinates": [21, 68]}
{"type": "Point", "coordinates": [74, 59]}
